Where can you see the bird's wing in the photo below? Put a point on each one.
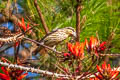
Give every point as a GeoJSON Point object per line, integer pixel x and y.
{"type": "Point", "coordinates": [42, 40]}
{"type": "Point", "coordinates": [55, 38]}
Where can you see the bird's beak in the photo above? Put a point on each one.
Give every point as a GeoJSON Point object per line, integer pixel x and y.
{"type": "Point", "coordinates": [74, 34]}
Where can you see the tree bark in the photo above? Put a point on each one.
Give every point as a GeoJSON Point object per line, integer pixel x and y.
{"type": "Point", "coordinates": [41, 17]}
{"type": "Point", "coordinates": [78, 9]}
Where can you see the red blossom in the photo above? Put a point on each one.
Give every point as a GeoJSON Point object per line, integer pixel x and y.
{"type": "Point", "coordinates": [93, 42]}
{"type": "Point", "coordinates": [23, 26]}
{"type": "Point", "coordinates": [22, 76]}
{"type": "Point", "coordinates": [95, 46]}
{"type": "Point", "coordinates": [60, 79]}
{"type": "Point", "coordinates": [102, 46]}
{"type": "Point", "coordinates": [94, 79]}
{"type": "Point", "coordinates": [4, 76]}
{"type": "Point", "coordinates": [16, 44]}
{"type": "Point", "coordinates": [70, 47]}
{"type": "Point", "coordinates": [66, 54]}
{"type": "Point", "coordinates": [105, 72]}
{"type": "Point", "coordinates": [86, 43]}
{"type": "Point", "coordinates": [10, 74]}
{"type": "Point", "coordinates": [77, 50]}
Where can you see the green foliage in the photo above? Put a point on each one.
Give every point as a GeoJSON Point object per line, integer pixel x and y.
{"type": "Point", "coordinates": [96, 17]}
{"type": "Point", "coordinates": [2, 5]}
{"type": "Point", "coordinates": [101, 17]}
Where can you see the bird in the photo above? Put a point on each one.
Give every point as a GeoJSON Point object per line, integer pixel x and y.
{"type": "Point", "coordinates": [55, 37]}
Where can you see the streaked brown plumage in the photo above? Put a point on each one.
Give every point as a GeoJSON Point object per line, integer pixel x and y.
{"type": "Point", "coordinates": [56, 37]}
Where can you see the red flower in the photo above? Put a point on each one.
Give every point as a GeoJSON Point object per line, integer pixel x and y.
{"type": "Point", "coordinates": [16, 44]}
{"type": "Point", "coordinates": [93, 42]}
{"type": "Point", "coordinates": [102, 46]}
{"type": "Point", "coordinates": [23, 25]}
{"type": "Point", "coordinates": [11, 74]}
{"type": "Point", "coordinates": [93, 79]}
{"type": "Point", "coordinates": [22, 76]}
{"type": "Point", "coordinates": [60, 79]}
{"type": "Point", "coordinates": [4, 76]}
{"type": "Point", "coordinates": [77, 50]}
{"type": "Point", "coordinates": [94, 45]}
{"type": "Point", "coordinates": [66, 54]}
{"type": "Point", "coordinates": [105, 72]}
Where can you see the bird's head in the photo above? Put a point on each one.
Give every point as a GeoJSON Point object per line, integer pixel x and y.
{"type": "Point", "coordinates": [70, 31]}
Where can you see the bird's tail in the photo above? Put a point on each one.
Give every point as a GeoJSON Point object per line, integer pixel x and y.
{"type": "Point", "coordinates": [44, 56]}
{"type": "Point", "coordinates": [40, 50]}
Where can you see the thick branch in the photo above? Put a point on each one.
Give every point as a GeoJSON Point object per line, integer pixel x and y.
{"type": "Point", "coordinates": [52, 74]}
{"type": "Point", "coordinates": [7, 14]}
{"type": "Point", "coordinates": [3, 19]}
{"type": "Point", "coordinates": [34, 70]}
{"type": "Point", "coordinates": [41, 17]}
{"type": "Point", "coordinates": [11, 17]}
{"type": "Point", "coordinates": [78, 8]}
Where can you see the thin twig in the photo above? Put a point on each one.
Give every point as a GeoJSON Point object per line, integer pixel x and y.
{"type": "Point", "coordinates": [109, 54]}
{"type": "Point", "coordinates": [26, 31]}
{"type": "Point", "coordinates": [43, 45]}
{"type": "Point", "coordinates": [5, 48]}
{"type": "Point", "coordinates": [16, 51]}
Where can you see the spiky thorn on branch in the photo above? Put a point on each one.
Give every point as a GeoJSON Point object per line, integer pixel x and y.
{"type": "Point", "coordinates": [52, 74]}
{"type": "Point", "coordinates": [30, 69]}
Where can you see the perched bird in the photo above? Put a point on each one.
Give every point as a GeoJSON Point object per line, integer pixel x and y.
{"type": "Point", "coordinates": [55, 37]}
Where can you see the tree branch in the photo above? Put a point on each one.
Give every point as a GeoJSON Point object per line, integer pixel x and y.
{"type": "Point", "coordinates": [78, 8]}
{"type": "Point", "coordinates": [43, 45]}
{"type": "Point", "coordinates": [41, 17]}
{"type": "Point", "coordinates": [52, 74]}
{"type": "Point", "coordinates": [34, 70]}
{"type": "Point", "coordinates": [109, 54]}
